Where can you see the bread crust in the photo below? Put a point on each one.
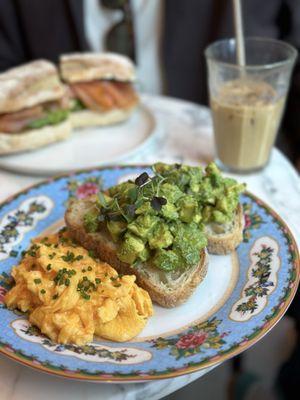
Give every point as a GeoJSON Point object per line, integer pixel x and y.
{"type": "Point", "coordinates": [84, 67]}
{"type": "Point", "coordinates": [29, 84]}
{"type": "Point", "coordinates": [85, 118]}
{"type": "Point", "coordinates": [34, 138]}
{"type": "Point", "coordinates": [106, 250]}
{"type": "Point", "coordinates": [228, 242]}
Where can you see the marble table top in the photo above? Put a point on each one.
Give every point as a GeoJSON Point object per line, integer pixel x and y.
{"type": "Point", "coordinates": [187, 137]}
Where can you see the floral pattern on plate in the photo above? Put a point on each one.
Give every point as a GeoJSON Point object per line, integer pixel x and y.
{"type": "Point", "coordinates": [15, 224]}
{"type": "Point", "coordinates": [262, 279]}
{"type": "Point", "coordinates": [202, 336]}
{"type": "Point", "coordinates": [252, 221]}
{"type": "Point", "coordinates": [211, 340]}
{"type": "Point", "coordinates": [90, 352]}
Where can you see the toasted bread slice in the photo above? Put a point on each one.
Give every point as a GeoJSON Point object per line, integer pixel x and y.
{"type": "Point", "coordinates": [169, 289]}
{"type": "Point", "coordinates": [229, 237]}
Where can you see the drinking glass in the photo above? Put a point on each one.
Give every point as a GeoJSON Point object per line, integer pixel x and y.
{"type": "Point", "coordinates": [247, 103]}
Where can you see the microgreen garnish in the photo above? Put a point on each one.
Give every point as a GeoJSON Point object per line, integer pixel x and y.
{"type": "Point", "coordinates": [158, 202]}
{"type": "Point", "coordinates": [142, 179]}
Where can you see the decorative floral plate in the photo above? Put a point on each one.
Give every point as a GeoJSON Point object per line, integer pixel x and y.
{"type": "Point", "coordinates": [241, 298]}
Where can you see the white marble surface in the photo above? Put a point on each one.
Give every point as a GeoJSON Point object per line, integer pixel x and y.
{"type": "Point", "coordinates": [187, 138]}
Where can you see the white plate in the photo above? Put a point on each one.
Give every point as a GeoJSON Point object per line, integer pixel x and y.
{"type": "Point", "coordinates": [89, 147]}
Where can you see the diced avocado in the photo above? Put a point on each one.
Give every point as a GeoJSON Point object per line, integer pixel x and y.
{"type": "Point", "coordinates": [218, 216]}
{"type": "Point", "coordinates": [167, 260]}
{"type": "Point", "coordinates": [145, 208]}
{"type": "Point", "coordinates": [212, 168]}
{"type": "Point", "coordinates": [223, 205]}
{"type": "Point", "coordinates": [103, 200]}
{"type": "Point", "coordinates": [170, 192]}
{"type": "Point", "coordinates": [161, 219]}
{"type": "Point", "coordinates": [91, 221]}
{"type": "Point", "coordinates": [188, 242]}
{"type": "Point", "coordinates": [122, 190]}
{"type": "Point", "coordinates": [206, 214]}
{"type": "Point", "coordinates": [161, 237]}
{"type": "Point", "coordinates": [116, 228]}
{"type": "Point", "coordinates": [188, 209]}
{"type": "Point", "coordinates": [130, 248]}
{"type": "Point", "coordinates": [144, 255]}
{"type": "Point", "coordinates": [169, 211]}
{"type": "Point", "coordinates": [143, 225]}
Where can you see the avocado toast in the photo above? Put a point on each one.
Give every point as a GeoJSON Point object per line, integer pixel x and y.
{"type": "Point", "coordinates": [217, 199]}
{"type": "Point", "coordinates": [156, 227]}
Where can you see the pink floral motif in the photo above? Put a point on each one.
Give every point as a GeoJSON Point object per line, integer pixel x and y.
{"type": "Point", "coordinates": [87, 189]}
{"type": "Point", "coordinates": [2, 294]}
{"type": "Point", "coordinates": [191, 340]}
{"type": "Point", "coordinates": [247, 221]}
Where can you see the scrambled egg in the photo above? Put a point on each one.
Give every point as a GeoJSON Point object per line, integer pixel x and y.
{"type": "Point", "coordinates": [71, 296]}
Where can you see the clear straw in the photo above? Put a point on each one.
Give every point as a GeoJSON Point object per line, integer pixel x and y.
{"type": "Point", "coordinates": [239, 34]}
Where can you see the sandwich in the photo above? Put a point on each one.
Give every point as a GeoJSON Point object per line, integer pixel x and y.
{"type": "Point", "coordinates": [217, 199]}
{"type": "Point", "coordinates": [33, 107]}
{"type": "Point", "coordinates": [160, 227]}
{"type": "Point", "coordinates": [100, 88]}
{"type": "Point", "coordinates": [146, 228]}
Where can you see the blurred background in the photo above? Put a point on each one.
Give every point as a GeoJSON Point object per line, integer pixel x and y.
{"type": "Point", "coordinates": [166, 39]}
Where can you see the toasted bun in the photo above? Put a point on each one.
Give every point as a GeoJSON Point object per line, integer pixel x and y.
{"type": "Point", "coordinates": [225, 243]}
{"type": "Point", "coordinates": [85, 118]}
{"type": "Point", "coordinates": [168, 289]}
{"type": "Point", "coordinates": [83, 67]}
{"type": "Point", "coordinates": [29, 140]}
{"type": "Point", "coordinates": [28, 85]}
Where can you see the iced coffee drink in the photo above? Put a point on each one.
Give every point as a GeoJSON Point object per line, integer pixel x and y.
{"type": "Point", "coordinates": [247, 101]}
{"type": "Point", "coordinates": [246, 116]}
